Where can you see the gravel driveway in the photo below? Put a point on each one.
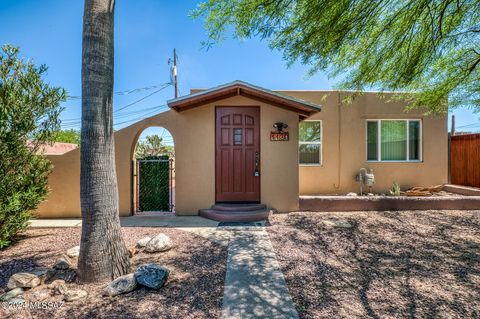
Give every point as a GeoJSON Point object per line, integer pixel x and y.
{"type": "Point", "coordinates": [422, 264]}
{"type": "Point", "coordinates": [194, 288]}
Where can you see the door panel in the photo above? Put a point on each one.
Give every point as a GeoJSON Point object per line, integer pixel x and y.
{"type": "Point", "coordinates": [237, 140]}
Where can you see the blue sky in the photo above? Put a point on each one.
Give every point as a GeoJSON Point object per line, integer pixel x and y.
{"type": "Point", "coordinates": [146, 31]}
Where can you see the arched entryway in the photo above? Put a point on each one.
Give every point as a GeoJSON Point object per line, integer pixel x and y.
{"type": "Point", "coordinates": [153, 172]}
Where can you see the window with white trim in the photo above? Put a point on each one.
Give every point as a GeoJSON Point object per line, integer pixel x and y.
{"type": "Point", "coordinates": [394, 140]}
{"type": "Point", "coordinates": [310, 142]}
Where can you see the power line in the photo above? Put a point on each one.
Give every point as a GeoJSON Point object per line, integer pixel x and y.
{"type": "Point", "coordinates": [469, 125]}
{"type": "Point", "coordinates": [126, 92]}
{"type": "Point", "coordinates": [77, 120]}
{"type": "Point", "coordinates": [137, 119]}
{"type": "Point", "coordinates": [144, 112]}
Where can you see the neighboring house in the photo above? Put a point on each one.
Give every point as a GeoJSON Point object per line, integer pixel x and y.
{"type": "Point", "coordinates": [227, 150]}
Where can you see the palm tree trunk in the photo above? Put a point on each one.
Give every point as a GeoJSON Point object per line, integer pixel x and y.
{"type": "Point", "coordinates": [103, 254]}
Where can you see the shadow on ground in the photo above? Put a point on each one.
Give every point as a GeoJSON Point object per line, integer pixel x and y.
{"type": "Point", "coordinates": [423, 264]}
{"type": "Point", "coordinates": [194, 289]}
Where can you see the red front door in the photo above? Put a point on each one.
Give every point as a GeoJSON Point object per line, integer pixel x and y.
{"type": "Point", "coordinates": [237, 140]}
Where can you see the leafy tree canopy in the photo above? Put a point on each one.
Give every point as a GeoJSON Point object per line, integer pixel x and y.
{"type": "Point", "coordinates": [67, 136]}
{"type": "Point", "coordinates": [29, 110]}
{"type": "Point", "coordinates": [152, 146]}
{"type": "Point", "coordinates": [430, 47]}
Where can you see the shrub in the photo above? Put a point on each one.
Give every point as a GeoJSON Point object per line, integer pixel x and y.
{"type": "Point", "coordinates": [395, 191]}
{"type": "Point", "coordinates": [29, 111]}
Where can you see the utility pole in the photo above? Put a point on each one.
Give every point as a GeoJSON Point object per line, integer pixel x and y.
{"type": "Point", "coordinates": [174, 72]}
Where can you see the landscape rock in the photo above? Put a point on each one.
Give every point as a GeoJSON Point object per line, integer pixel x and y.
{"type": "Point", "coordinates": [11, 294]}
{"type": "Point", "coordinates": [58, 286]}
{"type": "Point", "coordinates": [23, 280]}
{"type": "Point", "coordinates": [73, 252]}
{"type": "Point", "coordinates": [338, 223]}
{"type": "Point", "coordinates": [352, 194]}
{"type": "Point", "coordinates": [74, 294]}
{"type": "Point", "coordinates": [44, 273]}
{"type": "Point", "coordinates": [159, 243]}
{"type": "Point", "coordinates": [69, 275]}
{"type": "Point", "coordinates": [143, 242]}
{"type": "Point", "coordinates": [121, 285]}
{"type": "Point", "coordinates": [151, 275]}
{"type": "Point", "coordinates": [63, 262]}
{"type": "Point", "coordinates": [132, 251]}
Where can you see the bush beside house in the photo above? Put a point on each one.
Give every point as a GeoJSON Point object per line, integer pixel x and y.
{"type": "Point", "coordinates": [29, 111]}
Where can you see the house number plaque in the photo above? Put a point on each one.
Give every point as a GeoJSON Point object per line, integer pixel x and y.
{"type": "Point", "coordinates": [279, 134]}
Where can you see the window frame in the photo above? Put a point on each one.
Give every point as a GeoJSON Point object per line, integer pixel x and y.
{"type": "Point", "coordinates": [379, 138]}
{"type": "Point", "coordinates": [320, 150]}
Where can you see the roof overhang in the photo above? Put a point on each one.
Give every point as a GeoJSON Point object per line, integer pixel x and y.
{"type": "Point", "coordinates": [240, 88]}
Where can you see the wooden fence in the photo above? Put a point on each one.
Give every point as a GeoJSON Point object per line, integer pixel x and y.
{"type": "Point", "coordinates": [465, 160]}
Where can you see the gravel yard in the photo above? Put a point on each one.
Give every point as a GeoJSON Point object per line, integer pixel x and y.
{"type": "Point", "coordinates": [193, 290]}
{"type": "Point", "coordinates": [412, 264]}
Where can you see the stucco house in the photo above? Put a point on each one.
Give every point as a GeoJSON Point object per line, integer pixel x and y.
{"type": "Point", "coordinates": [227, 149]}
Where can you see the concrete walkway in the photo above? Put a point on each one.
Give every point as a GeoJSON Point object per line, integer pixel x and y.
{"type": "Point", "coordinates": [254, 284]}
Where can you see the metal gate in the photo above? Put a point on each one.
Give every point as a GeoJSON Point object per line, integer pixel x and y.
{"type": "Point", "coordinates": [154, 180]}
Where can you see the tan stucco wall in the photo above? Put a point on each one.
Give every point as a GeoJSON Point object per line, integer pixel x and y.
{"type": "Point", "coordinates": [64, 184]}
{"type": "Point", "coordinates": [193, 132]}
{"type": "Point", "coordinates": [344, 146]}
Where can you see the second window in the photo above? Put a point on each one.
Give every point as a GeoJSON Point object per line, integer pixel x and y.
{"type": "Point", "coordinates": [393, 140]}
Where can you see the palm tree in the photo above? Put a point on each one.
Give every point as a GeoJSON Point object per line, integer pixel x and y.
{"type": "Point", "coordinates": [103, 254]}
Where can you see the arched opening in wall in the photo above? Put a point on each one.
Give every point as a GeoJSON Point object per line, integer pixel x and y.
{"type": "Point", "coordinates": [154, 172]}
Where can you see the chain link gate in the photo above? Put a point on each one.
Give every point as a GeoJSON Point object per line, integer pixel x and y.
{"type": "Point", "coordinates": [154, 181]}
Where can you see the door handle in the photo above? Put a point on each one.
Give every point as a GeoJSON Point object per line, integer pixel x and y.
{"type": "Point", "coordinates": [257, 164]}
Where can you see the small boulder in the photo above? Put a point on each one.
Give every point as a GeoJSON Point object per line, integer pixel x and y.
{"type": "Point", "coordinates": [338, 223]}
{"type": "Point", "coordinates": [74, 294]}
{"type": "Point", "coordinates": [143, 242]}
{"type": "Point", "coordinates": [58, 286]}
{"type": "Point", "coordinates": [73, 252]}
{"type": "Point", "coordinates": [151, 275]}
{"type": "Point", "coordinates": [69, 275]}
{"type": "Point", "coordinates": [11, 294]}
{"type": "Point", "coordinates": [23, 280]}
{"type": "Point", "coordinates": [43, 273]}
{"type": "Point", "coordinates": [121, 285]}
{"type": "Point", "coordinates": [159, 243]}
{"type": "Point", "coordinates": [63, 262]}
{"type": "Point", "coordinates": [132, 251]}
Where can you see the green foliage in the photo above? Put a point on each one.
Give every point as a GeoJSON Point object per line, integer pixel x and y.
{"type": "Point", "coordinates": [29, 110]}
{"type": "Point", "coordinates": [152, 146]}
{"type": "Point", "coordinates": [67, 136]}
{"type": "Point", "coordinates": [395, 191]}
{"type": "Point", "coordinates": [429, 48]}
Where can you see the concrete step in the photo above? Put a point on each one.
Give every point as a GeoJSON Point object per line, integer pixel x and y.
{"type": "Point", "coordinates": [239, 207]}
{"type": "Point", "coordinates": [235, 216]}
